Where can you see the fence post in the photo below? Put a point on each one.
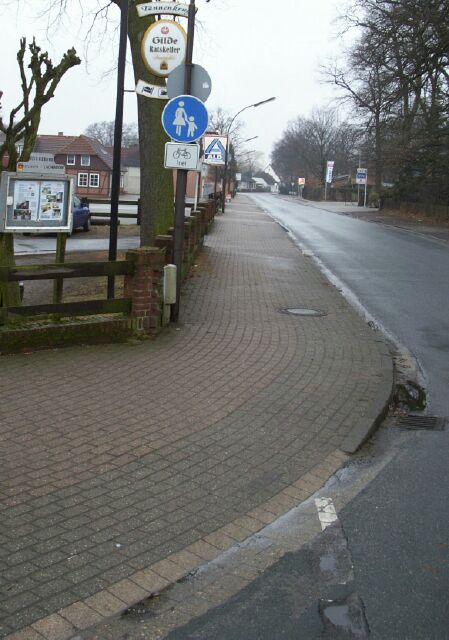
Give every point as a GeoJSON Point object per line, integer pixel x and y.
{"type": "Point", "coordinates": [144, 287]}
{"type": "Point", "coordinates": [58, 284]}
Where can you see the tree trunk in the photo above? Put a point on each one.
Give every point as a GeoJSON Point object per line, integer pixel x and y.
{"type": "Point", "coordinates": [378, 153]}
{"type": "Point", "coordinates": [9, 292]}
{"type": "Point", "coordinates": [156, 182]}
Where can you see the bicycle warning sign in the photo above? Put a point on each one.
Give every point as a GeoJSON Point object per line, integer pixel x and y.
{"type": "Point", "coordinates": [182, 156]}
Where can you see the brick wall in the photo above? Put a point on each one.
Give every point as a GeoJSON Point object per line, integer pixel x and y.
{"type": "Point", "coordinates": [144, 287]}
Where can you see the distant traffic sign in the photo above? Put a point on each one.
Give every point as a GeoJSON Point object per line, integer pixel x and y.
{"type": "Point", "coordinates": [215, 149]}
{"type": "Point", "coordinates": [201, 84]}
{"type": "Point", "coordinates": [185, 119]}
{"type": "Point", "coordinates": [181, 156]}
{"type": "Point", "coordinates": [361, 176]}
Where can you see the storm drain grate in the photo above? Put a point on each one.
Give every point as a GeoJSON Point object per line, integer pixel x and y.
{"type": "Point", "coordinates": [431, 423]}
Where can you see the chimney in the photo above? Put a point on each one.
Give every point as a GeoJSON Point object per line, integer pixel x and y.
{"type": "Point", "coordinates": [60, 133]}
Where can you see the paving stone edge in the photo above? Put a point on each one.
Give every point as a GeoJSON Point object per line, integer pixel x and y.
{"type": "Point", "coordinates": [67, 622]}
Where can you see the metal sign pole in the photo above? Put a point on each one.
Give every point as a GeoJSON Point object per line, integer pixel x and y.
{"type": "Point", "coordinates": [225, 174]}
{"type": "Point", "coordinates": [181, 175]}
{"type": "Point", "coordinates": [115, 183]}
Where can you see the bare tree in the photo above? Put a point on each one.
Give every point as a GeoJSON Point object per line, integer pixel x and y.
{"type": "Point", "coordinates": [397, 79]}
{"type": "Point", "coordinates": [308, 143]}
{"type": "Point", "coordinates": [156, 192]}
{"type": "Point", "coordinates": [104, 132]}
{"type": "Point", "coordinates": [22, 125]}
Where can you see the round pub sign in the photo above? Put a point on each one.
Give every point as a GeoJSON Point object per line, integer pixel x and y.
{"type": "Point", "coordinates": [164, 47]}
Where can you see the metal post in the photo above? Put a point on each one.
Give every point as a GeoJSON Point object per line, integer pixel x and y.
{"type": "Point", "coordinates": [215, 189]}
{"type": "Point", "coordinates": [115, 185]}
{"type": "Point", "coordinates": [225, 172]}
{"type": "Point", "coordinates": [181, 174]}
{"type": "Point", "coordinates": [358, 186]}
{"type": "Point", "coordinates": [199, 180]}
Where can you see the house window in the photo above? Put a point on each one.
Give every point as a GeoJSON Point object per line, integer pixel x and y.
{"type": "Point", "coordinates": [122, 181]}
{"type": "Point", "coordinates": [94, 180]}
{"type": "Point", "coordinates": [19, 148]}
{"type": "Point", "coordinates": [83, 179]}
{"type": "Point", "coordinates": [71, 158]}
{"type": "Point", "coordinates": [85, 161]}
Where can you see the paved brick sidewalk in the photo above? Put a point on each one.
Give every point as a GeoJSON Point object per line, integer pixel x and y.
{"type": "Point", "coordinates": [118, 457]}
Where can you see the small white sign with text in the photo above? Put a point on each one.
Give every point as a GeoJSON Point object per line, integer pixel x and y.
{"type": "Point", "coordinates": [181, 156]}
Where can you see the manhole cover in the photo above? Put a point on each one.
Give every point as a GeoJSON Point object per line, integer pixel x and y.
{"type": "Point", "coordinates": [304, 312]}
{"type": "Point", "coordinates": [432, 423]}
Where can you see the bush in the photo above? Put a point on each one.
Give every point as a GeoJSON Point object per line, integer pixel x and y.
{"type": "Point", "coordinates": [373, 199]}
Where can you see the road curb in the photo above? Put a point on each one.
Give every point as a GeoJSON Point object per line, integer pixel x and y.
{"type": "Point", "coordinates": [378, 408]}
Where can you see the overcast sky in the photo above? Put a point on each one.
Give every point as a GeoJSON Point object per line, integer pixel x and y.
{"type": "Point", "coordinates": [252, 49]}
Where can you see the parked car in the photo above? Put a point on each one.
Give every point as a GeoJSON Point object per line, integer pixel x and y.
{"type": "Point", "coordinates": [81, 214]}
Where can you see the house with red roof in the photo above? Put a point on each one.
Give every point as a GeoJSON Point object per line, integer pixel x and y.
{"type": "Point", "coordinates": [84, 158]}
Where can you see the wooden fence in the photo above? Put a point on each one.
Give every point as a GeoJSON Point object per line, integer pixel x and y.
{"type": "Point", "coordinates": [59, 272]}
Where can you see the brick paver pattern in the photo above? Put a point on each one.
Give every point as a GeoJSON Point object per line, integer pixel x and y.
{"type": "Point", "coordinates": [115, 456]}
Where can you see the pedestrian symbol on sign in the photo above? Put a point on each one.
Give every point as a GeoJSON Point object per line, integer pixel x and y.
{"type": "Point", "coordinates": [185, 119]}
{"type": "Point", "coordinates": [180, 118]}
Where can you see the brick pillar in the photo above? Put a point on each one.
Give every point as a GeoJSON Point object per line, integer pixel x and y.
{"type": "Point", "coordinates": [144, 287]}
{"type": "Point", "coordinates": [196, 231]}
{"type": "Point", "coordinates": [165, 242]}
{"type": "Point", "coordinates": [202, 214]}
{"type": "Point", "coordinates": [211, 206]}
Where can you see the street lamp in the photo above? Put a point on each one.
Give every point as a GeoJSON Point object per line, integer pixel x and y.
{"type": "Point", "coordinates": [250, 106]}
{"type": "Point", "coordinates": [245, 153]}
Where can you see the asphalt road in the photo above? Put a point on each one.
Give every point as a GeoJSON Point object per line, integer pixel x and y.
{"type": "Point", "coordinates": [395, 532]}
{"type": "Point", "coordinates": [397, 528]}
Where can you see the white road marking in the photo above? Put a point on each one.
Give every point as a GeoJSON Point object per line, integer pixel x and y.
{"type": "Point", "coordinates": [326, 511]}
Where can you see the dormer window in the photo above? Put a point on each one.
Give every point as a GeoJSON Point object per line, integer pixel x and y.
{"type": "Point", "coordinates": [85, 161]}
{"type": "Point", "coordinates": [71, 158]}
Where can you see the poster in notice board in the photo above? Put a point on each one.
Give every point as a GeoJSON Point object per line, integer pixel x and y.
{"type": "Point", "coordinates": [38, 204]}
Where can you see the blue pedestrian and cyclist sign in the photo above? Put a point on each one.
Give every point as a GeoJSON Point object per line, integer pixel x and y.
{"type": "Point", "coordinates": [185, 119]}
